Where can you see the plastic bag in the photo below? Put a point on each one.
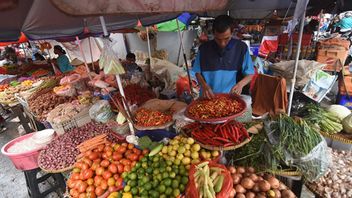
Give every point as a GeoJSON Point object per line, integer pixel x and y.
{"type": "Point", "coordinates": [109, 60]}
{"type": "Point", "coordinates": [192, 191]}
{"type": "Point", "coordinates": [101, 111]}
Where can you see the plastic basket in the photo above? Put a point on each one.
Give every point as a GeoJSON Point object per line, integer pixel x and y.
{"type": "Point", "coordinates": [22, 161]}
{"type": "Point", "coordinates": [79, 120]}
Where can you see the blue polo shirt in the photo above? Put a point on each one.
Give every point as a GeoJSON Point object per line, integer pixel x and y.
{"type": "Point", "coordinates": [220, 67]}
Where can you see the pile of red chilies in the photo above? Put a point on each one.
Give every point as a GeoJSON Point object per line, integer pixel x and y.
{"type": "Point", "coordinates": [226, 134]}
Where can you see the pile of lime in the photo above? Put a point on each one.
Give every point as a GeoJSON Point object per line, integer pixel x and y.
{"type": "Point", "coordinates": [156, 177]}
{"type": "Point", "coordinates": [184, 150]}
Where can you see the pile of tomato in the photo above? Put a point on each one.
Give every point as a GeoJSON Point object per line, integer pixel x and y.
{"type": "Point", "coordinates": [100, 170]}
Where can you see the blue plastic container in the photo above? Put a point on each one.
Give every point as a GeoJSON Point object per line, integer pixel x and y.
{"type": "Point", "coordinates": [344, 101]}
{"type": "Point", "coordinates": [156, 135]}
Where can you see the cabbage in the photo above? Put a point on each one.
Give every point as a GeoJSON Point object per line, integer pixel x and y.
{"type": "Point", "coordinates": [347, 124]}
{"type": "Point", "coordinates": [339, 110]}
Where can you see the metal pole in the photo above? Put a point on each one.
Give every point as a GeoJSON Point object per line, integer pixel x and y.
{"type": "Point", "coordinates": [296, 62]}
{"type": "Point", "coordinates": [149, 49]}
{"type": "Point", "coordinates": [84, 57]}
{"type": "Point", "coordinates": [91, 53]}
{"type": "Point", "coordinates": [185, 59]}
{"type": "Point", "coordinates": [118, 79]}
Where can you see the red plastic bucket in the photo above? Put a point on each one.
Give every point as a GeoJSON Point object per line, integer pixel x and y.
{"type": "Point", "coordinates": [22, 161]}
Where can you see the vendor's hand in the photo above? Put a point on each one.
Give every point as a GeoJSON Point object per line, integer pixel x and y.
{"type": "Point", "coordinates": [237, 89]}
{"type": "Point", "coordinates": [207, 92]}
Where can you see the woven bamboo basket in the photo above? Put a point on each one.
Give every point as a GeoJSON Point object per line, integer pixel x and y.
{"type": "Point", "coordinates": [341, 137]}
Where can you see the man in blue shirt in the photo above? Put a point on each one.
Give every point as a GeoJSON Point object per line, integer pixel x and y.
{"type": "Point", "coordinates": [220, 62]}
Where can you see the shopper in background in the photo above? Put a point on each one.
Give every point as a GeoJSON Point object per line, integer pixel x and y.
{"type": "Point", "coordinates": [223, 65]}
{"type": "Point", "coordinates": [62, 60]}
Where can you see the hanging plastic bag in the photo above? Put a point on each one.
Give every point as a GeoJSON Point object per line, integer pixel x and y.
{"type": "Point", "coordinates": [101, 111]}
{"type": "Point", "coordinates": [109, 60]}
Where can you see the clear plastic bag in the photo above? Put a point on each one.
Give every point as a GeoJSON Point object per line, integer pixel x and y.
{"type": "Point", "coordinates": [101, 111]}
{"type": "Point", "coordinates": [109, 60]}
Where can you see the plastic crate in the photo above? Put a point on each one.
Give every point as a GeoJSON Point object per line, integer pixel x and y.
{"type": "Point", "coordinates": [79, 120]}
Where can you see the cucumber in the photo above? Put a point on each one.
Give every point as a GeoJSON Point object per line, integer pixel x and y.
{"type": "Point", "coordinates": [218, 184]}
{"type": "Point", "coordinates": [156, 150]}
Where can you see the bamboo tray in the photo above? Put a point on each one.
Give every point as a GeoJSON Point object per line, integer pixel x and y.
{"type": "Point", "coordinates": [341, 137]}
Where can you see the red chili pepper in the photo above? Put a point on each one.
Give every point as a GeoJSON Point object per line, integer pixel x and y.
{"type": "Point", "coordinates": [221, 139]}
{"type": "Point", "coordinates": [228, 144]}
{"type": "Point", "coordinates": [245, 133]}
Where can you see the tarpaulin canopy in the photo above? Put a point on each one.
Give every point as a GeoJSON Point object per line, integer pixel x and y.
{"type": "Point", "coordinates": [22, 39]}
{"type": "Point", "coordinates": [40, 19]}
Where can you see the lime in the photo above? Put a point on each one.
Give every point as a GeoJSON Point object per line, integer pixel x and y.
{"type": "Point", "coordinates": [182, 171]}
{"type": "Point", "coordinates": [161, 188]}
{"type": "Point", "coordinates": [154, 194]}
{"type": "Point", "coordinates": [182, 187]}
{"type": "Point", "coordinates": [138, 165]}
{"type": "Point", "coordinates": [149, 170]}
{"type": "Point", "coordinates": [187, 146]}
{"type": "Point", "coordinates": [133, 176]}
{"type": "Point", "coordinates": [187, 153]}
{"type": "Point", "coordinates": [145, 196]}
{"type": "Point", "coordinates": [176, 171]}
{"type": "Point", "coordinates": [155, 165]}
{"type": "Point", "coordinates": [177, 161]}
{"type": "Point", "coordinates": [144, 164]}
{"type": "Point", "coordinates": [134, 191]}
{"type": "Point", "coordinates": [178, 177]}
{"type": "Point", "coordinates": [186, 160]}
{"type": "Point", "coordinates": [156, 159]}
{"type": "Point", "coordinates": [164, 150]}
{"type": "Point", "coordinates": [184, 180]}
{"type": "Point", "coordinates": [145, 179]}
{"type": "Point", "coordinates": [127, 188]}
{"type": "Point", "coordinates": [124, 174]}
{"type": "Point", "coordinates": [165, 175]}
{"type": "Point", "coordinates": [156, 171]}
{"type": "Point", "coordinates": [168, 169]}
{"type": "Point", "coordinates": [163, 196]}
{"type": "Point", "coordinates": [148, 186]}
{"type": "Point", "coordinates": [162, 169]}
{"type": "Point", "coordinates": [175, 184]}
{"type": "Point", "coordinates": [169, 163]}
{"type": "Point", "coordinates": [140, 172]}
{"type": "Point", "coordinates": [168, 191]}
{"type": "Point", "coordinates": [159, 177]}
{"type": "Point", "coordinates": [172, 175]}
{"type": "Point", "coordinates": [155, 183]}
{"type": "Point", "coordinates": [176, 192]}
{"type": "Point", "coordinates": [132, 183]}
{"type": "Point", "coordinates": [144, 159]}
{"type": "Point", "coordinates": [167, 182]}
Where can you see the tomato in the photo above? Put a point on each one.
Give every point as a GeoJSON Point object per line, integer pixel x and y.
{"type": "Point", "coordinates": [74, 193]}
{"type": "Point", "coordinates": [119, 182]}
{"type": "Point", "coordinates": [87, 174]}
{"type": "Point", "coordinates": [112, 189]}
{"type": "Point", "coordinates": [107, 175]}
{"type": "Point", "coordinates": [97, 180]}
{"type": "Point", "coordinates": [127, 168]}
{"type": "Point", "coordinates": [99, 171]}
{"type": "Point", "coordinates": [125, 162]}
{"type": "Point", "coordinates": [90, 181]}
{"type": "Point", "coordinates": [90, 188]}
{"type": "Point", "coordinates": [124, 144]}
{"type": "Point", "coordinates": [78, 165]}
{"type": "Point", "coordinates": [104, 184]}
{"type": "Point", "coordinates": [93, 156]}
{"type": "Point", "coordinates": [133, 157]}
{"type": "Point", "coordinates": [116, 176]}
{"type": "Point", "coordinates": [133, 163]}
{"type": "Point", "coordinates": [111, 181]}
{"type": "Point", "coordinates": [75, 176]}
{"type": "Point", "coordinates": [97, 160]}
{"type": "Point", "coordinates": [108, 153]}
{"type": "Point", "coordinates": [88, 161]}
{"type": "Point", "coordinates": [84, 166]}
{"type": "Point", "coordinates": [108, 148]}
{"type": "Point", "coordinates": [95, 165]}
{"type": "Point", "coordinates": [70, 183]}
{"type": "Point", "coordinates": [99, 191]}
{"type": "Point", "coordinates": [116, 146]}
{"type": "Point", "coordinates": [121, 149]}
{"type": "Point", "coordinates": [140, 157]}
{"type": "Point", "coordinates": [112, 168]}
{"type": "Point", "coordinates": [91, 194]}
{"type": "Point", "coordinates": [104, 156]}
{"type": "Point", "coordinates": [120, 168]}
{"type": "Point", "coordinates": [116, 156]}
{"type": "Point", "coordinates": [130, 146]}
{"type": "Point", "coordinates": [82, 186]}
{"type": "Point", "coordinates": [104, 163]}
{"type": "Point", "coordinates": [82, 195]}
{"type": "Point", "coordinates": [101, 148]}
{"type": "Point", "coordinates": [145, 151]}
{"type": "Point", "coordinates": [137, 151]}
{"type": "Point", "coordinates": [128, 153]}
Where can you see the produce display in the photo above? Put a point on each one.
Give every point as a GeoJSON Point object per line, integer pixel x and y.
{"type": "Point", "coordinates": [293, 141]}
{"type": "Point", "coordinates": [8, 95]}
{"type": "Point", "coordinates": [227, 134]}
{"type": "Point", "coordinates": [209, 181]}
{"type": "Point", "coordinates": [154, 177]}
{"type": "Point", "coordinates": [40, 72]}
{"type": "Point", "coordinates": [337, 182]}
{"type": "Point", "coordinates": [324, 120]}
{"type": "Point", "coordinates": [183, 150]}
{"type": "Point", "coordinates": [3, 87]}
{"type": "Point", "coordinates": [101, 168]}
{"type": "Point", "coordinates": [248, 183]}
{"type": "Point", "coordinates": [135, 94]}
{"type": "Point", "coordinates": [218, 107]}
{"type": "Point", "coordinates": [47, 101]}
{"type": "Point", "coordinates": [65, 112]}
{"type": "Point", "coordinates": [62, 151]}
{"type": "Point", "coordinates": [147, 118]}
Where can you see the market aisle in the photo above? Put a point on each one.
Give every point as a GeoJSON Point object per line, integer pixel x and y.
{"type": "Point", "coordinates": [12, 181]}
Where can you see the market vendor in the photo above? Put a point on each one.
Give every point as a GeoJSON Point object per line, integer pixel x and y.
{"type": "Point", "coordinates": [130, 64]}
{"type": "Point", "coordinates": [223, 65]}
{"type": "Point", "coordinates": [62, 60]}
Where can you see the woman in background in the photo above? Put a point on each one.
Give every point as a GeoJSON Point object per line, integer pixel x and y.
{"type": "Point", "coordinates": [62, 60]}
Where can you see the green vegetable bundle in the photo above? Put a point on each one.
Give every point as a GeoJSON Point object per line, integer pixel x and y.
{"type": "Point", "coordinates": [326, 121]}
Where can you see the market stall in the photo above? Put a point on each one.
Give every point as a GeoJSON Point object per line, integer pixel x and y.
{"type": "Point", "coordinates": [109, 135]}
